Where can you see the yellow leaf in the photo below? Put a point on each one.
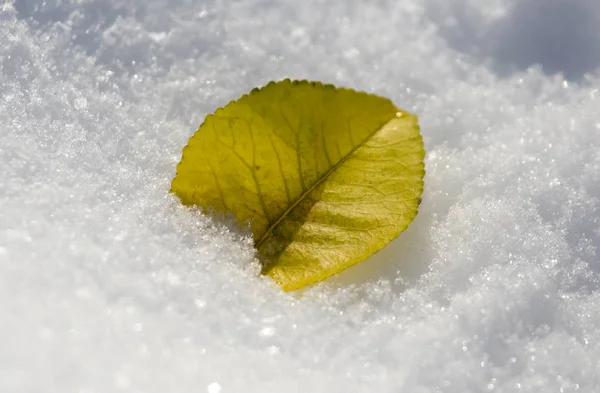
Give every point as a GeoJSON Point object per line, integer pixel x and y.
{"type": "Point", "coordinates": [325, 176]}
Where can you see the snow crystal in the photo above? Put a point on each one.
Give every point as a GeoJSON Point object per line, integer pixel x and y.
{"type": "Point", "coordinates": [108, 284]}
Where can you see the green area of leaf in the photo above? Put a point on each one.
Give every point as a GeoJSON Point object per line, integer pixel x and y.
{"type": "Point", "coordinates": [325, 176]}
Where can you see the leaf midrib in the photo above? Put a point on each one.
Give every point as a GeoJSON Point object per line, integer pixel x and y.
{"type": "Point", "coordinates": [321, 180]}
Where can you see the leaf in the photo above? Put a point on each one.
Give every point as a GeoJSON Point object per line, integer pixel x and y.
{"type": "Point", "coordinates": [326, 176]}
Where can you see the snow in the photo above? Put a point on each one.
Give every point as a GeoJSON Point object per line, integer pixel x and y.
{"type": "Point", "coordinates": [107, 284]}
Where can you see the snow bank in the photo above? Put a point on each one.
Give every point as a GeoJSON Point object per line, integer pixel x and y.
{"type": "Point", "coordinates": [107, 284]}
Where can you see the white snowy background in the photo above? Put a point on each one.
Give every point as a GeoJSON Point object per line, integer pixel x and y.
{"type": "Point", "coordinates": [107, 284]}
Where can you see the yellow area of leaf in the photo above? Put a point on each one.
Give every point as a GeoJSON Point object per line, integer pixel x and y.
{"type": "Point", "coordinates": [325, 176]}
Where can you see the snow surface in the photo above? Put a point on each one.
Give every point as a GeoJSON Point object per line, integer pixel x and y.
{"type": "Point", "coordinates": [107, 284]}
